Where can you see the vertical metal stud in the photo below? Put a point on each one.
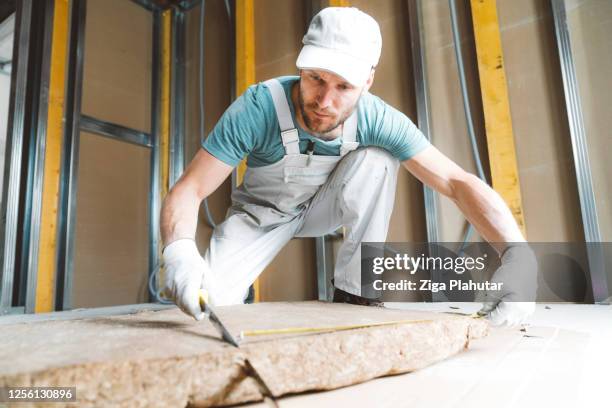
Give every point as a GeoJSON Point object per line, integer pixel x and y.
{"type": "Point", "coordinates": [177, 135]}
{"type": "Point", "coordinates": [578, 136]}
{"type": "Point", "coordinates": [417, 36]}
{"type": "Point", "coordinates": [154, 189]}
{"type": "Point", "coordinates": [325, 268]}
{"type": "Point", "coordinates": [14, 147]}
{"type": "Point", "coordinates": [37, 162]}
{"type": "Point", "coordinates": [323, 245]}
{"type": "Point", "coordinates": [70, 157]}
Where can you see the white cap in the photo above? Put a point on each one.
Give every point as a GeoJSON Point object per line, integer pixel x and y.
{"type": "Point", "coordinates": [343, 40]}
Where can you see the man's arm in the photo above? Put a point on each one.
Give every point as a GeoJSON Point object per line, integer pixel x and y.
{"type": "Point", "coordinates": [179, 211]}
{"type": "Point", "coordinates": [486, 210]}
{"type": "Point", "coordinates": [479, 203]}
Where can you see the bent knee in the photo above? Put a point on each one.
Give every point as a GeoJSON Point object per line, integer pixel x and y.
{"type": "Point", "coordinates": [376, 157]}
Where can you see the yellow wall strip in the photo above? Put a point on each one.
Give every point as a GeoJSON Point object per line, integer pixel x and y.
{"type": "Point", "coordinates": [498, 121]}
{"type": "Point", "coordinates": [45, 287]}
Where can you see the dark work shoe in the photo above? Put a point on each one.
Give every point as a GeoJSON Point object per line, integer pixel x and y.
{"type": "Point", "coordinates": [341, 296]}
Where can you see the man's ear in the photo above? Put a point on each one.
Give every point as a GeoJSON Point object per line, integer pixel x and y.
{"type": "Point", "coordinates": [370, 81]}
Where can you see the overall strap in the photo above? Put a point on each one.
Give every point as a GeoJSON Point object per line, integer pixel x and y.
{"type": "Point", "coordinates": [289, 134]}
{"type": "Point", "coordinates": [349, 135]}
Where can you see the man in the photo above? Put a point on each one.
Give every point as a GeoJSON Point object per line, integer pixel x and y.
{"type": "Point", "coordinates": [322, 153]}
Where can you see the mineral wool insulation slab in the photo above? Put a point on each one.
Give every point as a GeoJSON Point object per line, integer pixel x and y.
{"type": "Point", "coordinates": [164, 358]}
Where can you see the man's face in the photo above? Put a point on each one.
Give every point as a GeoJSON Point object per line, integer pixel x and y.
{"type": "Point", "coordinates": [326, 100]}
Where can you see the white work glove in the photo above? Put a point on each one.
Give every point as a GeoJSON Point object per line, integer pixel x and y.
{"type": "Point", "coordinates": [515, 302]}
{"type": "Point", "coordinates": [184, 274]}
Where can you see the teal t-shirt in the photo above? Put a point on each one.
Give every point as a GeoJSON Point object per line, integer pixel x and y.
{"type": "Point", "coordinates": [250, 127]}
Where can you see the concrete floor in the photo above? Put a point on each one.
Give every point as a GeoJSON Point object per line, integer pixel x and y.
{"type": "Point", "coordinates": [563, 359]}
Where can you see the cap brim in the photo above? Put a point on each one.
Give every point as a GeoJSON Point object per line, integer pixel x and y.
{"type": "Point", "coordinates": [354, 70]}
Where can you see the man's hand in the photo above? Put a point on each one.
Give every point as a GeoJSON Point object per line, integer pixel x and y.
{"type": "Point", "coordinates": [507, 313]}
{"type": "Point", "coordinates": [489, 214]}
{"type": "Point", "coordinates": [514, 303]}
{"type": "Point", "coordinates": [184, 273]}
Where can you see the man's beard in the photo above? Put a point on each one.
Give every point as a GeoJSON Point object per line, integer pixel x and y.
{"type": "Point", "coordinates": [322, 134]}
